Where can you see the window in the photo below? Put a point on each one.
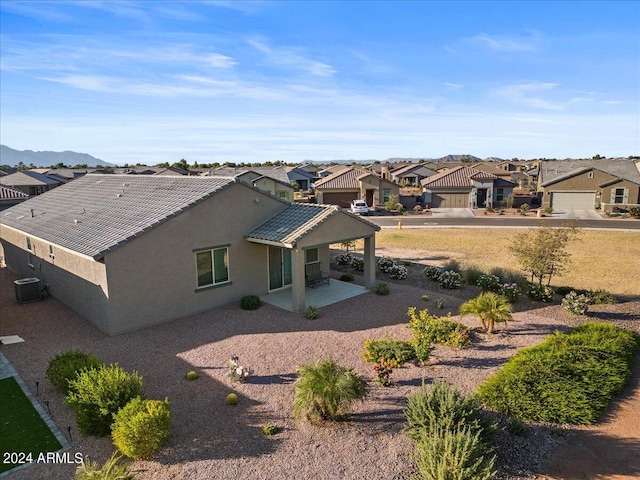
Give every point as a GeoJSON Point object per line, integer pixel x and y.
{"type": "Point", "coordinates": [51, 255]}
{"type": "Point", "coordinates": [619, 195]}
{"type": "Point", "coordinates": [282, 194]}
{"type": "Point", "coordinates": [212, 266]}
{"type": "Point", "coordinates": [29, 244]}
{"type": "Point", "coordinates": [590, 175]}
{"type": "Point", "coordinates": [386, 193]}
{"type": "Point", "coordinates": [312, 255]}
{"type": "Point", "coordinates": [30, 248]}
{"type": "Point", "coordinates": [499, 194]}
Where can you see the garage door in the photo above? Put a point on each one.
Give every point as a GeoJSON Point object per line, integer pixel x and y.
{"type": "Point", "coordinates": [342, 199]}
{"type": "Point", "coordinates": [450, 200]}
{"type": "Point", "coordinates": [573, 200]}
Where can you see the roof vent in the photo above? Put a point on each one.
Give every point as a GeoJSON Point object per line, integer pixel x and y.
{"type": "Point", "coordinates": [76, 221]}
{"type": "Point", "coordinates": [119, 195]}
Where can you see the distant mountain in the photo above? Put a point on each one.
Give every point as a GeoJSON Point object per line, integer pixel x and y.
{"type": "Point", "coordinates": [11, 157]}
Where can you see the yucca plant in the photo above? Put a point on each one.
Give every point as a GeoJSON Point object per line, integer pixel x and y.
{"type": "Point", "coordinates": [325, 390]}
{"type": "Point", "coordinates": [111, 470]}
{"type": "Point", "coordinates": [490, 307]}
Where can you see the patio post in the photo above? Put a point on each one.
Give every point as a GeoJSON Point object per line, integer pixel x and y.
{"type": "Point", "coordinates": [369, 262]}
{"type": "Point", "coordinates": [298, 283]}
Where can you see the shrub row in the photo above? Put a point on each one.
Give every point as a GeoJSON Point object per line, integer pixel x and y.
{"type": "Point", "coordinates": [395, 271]}
{"type": "Point", "coordinates": [453, 438]}
{"type": "Point", "coordinates": [568, 378]}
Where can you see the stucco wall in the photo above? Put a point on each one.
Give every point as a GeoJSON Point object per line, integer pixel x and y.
{"type": "Point", "coordinates": [78, 281]}
{"type": "Point", "coordinates": [153, 279]}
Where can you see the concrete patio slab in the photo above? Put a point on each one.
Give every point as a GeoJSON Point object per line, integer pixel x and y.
{"type": "Point", "coordinates": [320, 296]}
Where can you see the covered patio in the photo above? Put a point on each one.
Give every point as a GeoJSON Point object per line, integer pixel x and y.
{"type": "Point", "coordinates": [300, 236]}
{"type": "Point", "coordinates": [320, 296]}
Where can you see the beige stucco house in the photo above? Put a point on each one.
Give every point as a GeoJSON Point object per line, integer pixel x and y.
{"type": "Point", "coordinates": [592, 184]}
{"type": "Point", "coordinates": [354, 183]}
{"type": "Point", "coordinates": [136, 251]}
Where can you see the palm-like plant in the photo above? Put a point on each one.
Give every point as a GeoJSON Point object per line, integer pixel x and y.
{"type": "Point", "coordinates": [325, 390]}
{"type": "Point", "coordinates": [490, 307]}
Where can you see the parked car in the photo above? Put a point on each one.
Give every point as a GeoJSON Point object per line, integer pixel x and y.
{"type": "Point", "coordinates": [359, 206]}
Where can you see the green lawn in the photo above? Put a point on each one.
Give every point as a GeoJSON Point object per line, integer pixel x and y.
{"type": "Point", "coordinates": [22, 430]}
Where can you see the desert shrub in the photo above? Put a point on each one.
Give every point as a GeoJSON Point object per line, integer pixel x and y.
{"type": "Point", "coordinates": [568, 378]}
{"type": "Point", "coordinates": [311, 312]}
{"type": "Point", "coordinates": [515, 426]}
{"type": "Point", "coordinates": [490, 307]}
{"type": "Point", "coordinates": [344, 258]}
{"type": "Point", "coordinates": [232, 399]}
{"type": "Point", "coordinates": [540, 293]}
{"type": "Point", "coordinates": [524, 209]}
{"type": "Point", "coordinates": [383, 370]}
{"type": "Point", "coordinates": [427, 328]}
{"type": "Point", "coordinates": [358, 264]}
{"type": "Point", "coordinates": [417, 208]}
{"type": "Point", "coordinates": [489, 283]}
{"type": "Point", "coordinates": [575, 303]}
{"type": "Point", "coordinates": [510, 291]}
{"type": "Point", "coordinates": [97, 394]}
{"type": "Point", "coordinates": [425, 298]}
{"type": "Point", "coordinates": [450, 280]}
{"type": "Point", "coordinates": [454, 439]}
{"type": "Point", "coordinates": [432, 273]}
{"type": "Point", "coordinates": [382, 288]}
{"type": "Point", "coordinates": [602, 297]}
{"type": "Point", "coordinates": [385, 263]}
{"type": "Point", "coordinates": [635, 212]}
{"type": "Point", "coordinates": [452, 265]}
{"type": "Point", "coordinates": [111, 470]}
{"type": "Point", "coordinates": [325, 390]}
{"type": "Point", "coordinates": [563, 290]}
{"type": "Point", "coordinates": [398, 272]}
{"type": "Point", "coordinates": [141, 427]}
{"type": "Point", "coordinates": [440, 303]}
{"type": "Point", "coordinates": [396, 352]}
{"type": "Point", "coordinates": [548, 210]}
{"type": "Point", "coordinates": [66, 366]}
{"type": "Point", "coordinates": [507, 275]}
{"type": "Point", "coordinates": [250, 302]}
{"type": "Point", "coordinates": [346, 277]}
{"type": "Point", "coordinates": [471, 274]}
{"type": "Point", "coordinates": [191, 375]}
{"type": "Point", "coordinates": [270, 429]}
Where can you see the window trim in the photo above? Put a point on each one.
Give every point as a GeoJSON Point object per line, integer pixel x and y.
{"type": "Point", "coordinates": [621, 196]}
{"type": "Point", "coordinates": [211, 251]}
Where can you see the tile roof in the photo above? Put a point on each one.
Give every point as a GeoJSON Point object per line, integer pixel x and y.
{"type": "Point", "coordinates": [28, 179]}
{"type": "Point", "coordinates": [347, 177]}
{"type": "Point", "coordinates": [97, 213]}
{"type": "Point", "coordinates": [290, 225]}
{"type": "Point", "coordinates": [8, 192]}
{"type": "Point", "coordinates": [456, 177]}
{"type": "Point", "coordinates": [551, 171]}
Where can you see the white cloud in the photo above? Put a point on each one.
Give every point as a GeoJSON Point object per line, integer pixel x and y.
{"type": "Point", "coordinates": [508, 43]}
{"type": "Point", "coordinates": [529, 94]}
{"type": "Point", "coordinates": [291, 57]}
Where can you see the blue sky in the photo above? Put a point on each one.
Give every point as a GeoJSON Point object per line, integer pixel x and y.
{"type": "Point", "coordinates": [216, 81]}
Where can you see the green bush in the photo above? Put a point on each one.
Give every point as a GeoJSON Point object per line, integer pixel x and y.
{"type": "Point", "coordinates": [575, 303]}
{"type": "Point", "coordinates": [489, 283]}
{"type": "Point", "coordinates": [425, 298]}
{"type": "Point", "coordinates": [510, 291]}
{"type": "Point", "coordinates": [395, 352]}
{"type": "Point", "coordinates": [382, 288]}
{"type": "Point", "coordinates": [325, 390]}
{"type": "Point", "coordinates": [432, 273]}
{"type": "Point", "coordinates": [346, 277]}
{"type": "Point", "coordinates": [231, 399]}
{"type": "Point", "coordinates": [192, 375]}
{"type": "Point", "coordinates": [440, 303]}
{"type": "Point", "coordinates": [250, 302]}
{"type": "Point", "coordinates": [450, 280]}
{"type": "Point", "coordinates": [427, 328]}
{"type": "Point", "coordinates": [141, 427]}
{"type": "Point", "coordinates": [66, 366]}
{"type": "Point", "coordinates": [471, 274]}
{"type": "Point", "coordinates": [270, 429]}
{"type": "Point", "coordinates": [602, 297]}
{"type": "Point", "coordinates": [357, 264]}
{"type": "Point", "coordinates": [540, 293]}
{"type": "Point", "coordinates": [452, 265]}
{"type": "Point", "coordinates": [568, 378]}
{"type": "Point", "coordinates": [506, 275]}
{"type": "Point", "coordinates": [97, 394]}
{"type": "Point", "coordinates": [515, 426]}
{"type": "Point", "coordinates": [111, 470]}
{"type": "Point", "coordinates": [454, 439]}
{"type": "Point", "coordinates": [311, 312]}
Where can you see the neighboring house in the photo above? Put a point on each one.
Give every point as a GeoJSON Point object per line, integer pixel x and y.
{"type": "Point", "coordinates": [127, 253]}
{"type": "Point", "coordinates": [31, 183]}
{"type": "Point", "coordinates": [172, 171]}
{"type": "Point", "coordinates": [303, 178]}
{"type": "Point", "coordinates": [466, 187]}
{"type": "Point", "coordinates": [411, 175]}
{"type": "Point", "coordinates": [354, 183]}
{"type": "Point", "coordinates": [10, 197]}
{"type": "Point", "coordinates": [589, 184]}
{"type": "Point", "coordinates": [325, 172]}
{"type": "Point", "coordinates": [278, 188]}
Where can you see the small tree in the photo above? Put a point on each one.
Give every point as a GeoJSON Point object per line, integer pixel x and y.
{"type": "Point", "coordinates": [490, 307]}
{"type": "Point", "coordinates": [391, 203]}
{"type": "Point", "coordinates": [542, 251]}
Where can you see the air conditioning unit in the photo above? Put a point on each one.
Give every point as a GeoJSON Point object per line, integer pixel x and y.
{"type": "Point", "coordinates": [28, 290]}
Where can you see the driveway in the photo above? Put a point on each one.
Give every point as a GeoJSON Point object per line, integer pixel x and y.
{"type": "Point", "coordinates": [582, 214]}
{"type": "Point", "coordinates": [451, 213]}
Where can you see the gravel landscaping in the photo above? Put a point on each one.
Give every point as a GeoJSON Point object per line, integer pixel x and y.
{"type": "Point", "coordinates": [211, 440]}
